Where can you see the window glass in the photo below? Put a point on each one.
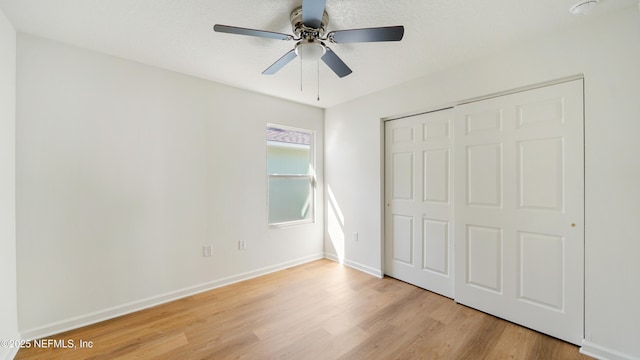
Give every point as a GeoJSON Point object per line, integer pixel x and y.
{"type": "Point", "coordinates": [290, 175]}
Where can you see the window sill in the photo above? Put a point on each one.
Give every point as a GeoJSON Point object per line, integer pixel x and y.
{"type": "Point", "coordinates": [290, 223]}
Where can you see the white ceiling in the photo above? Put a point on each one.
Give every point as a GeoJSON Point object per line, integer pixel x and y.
{"type": "Point", "coordinates": [178, 35]}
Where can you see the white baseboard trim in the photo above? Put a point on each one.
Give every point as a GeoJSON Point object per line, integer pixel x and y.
{"type": "Point", "coordinates": [364, 268]}
{"type": "Point", "coordinates": [8, 353]}
{"type": "Point", "coordinates": [124, 309]}
{"type": "Point", "coordinates": [355, 265]}
{"type": "Point", "coordinates": [603, 353]}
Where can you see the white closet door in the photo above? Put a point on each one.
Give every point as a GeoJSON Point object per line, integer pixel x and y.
{"type": "Point", "coordinates": [418, 214]}
{"type": "Point", "coordinates": [519, 208]}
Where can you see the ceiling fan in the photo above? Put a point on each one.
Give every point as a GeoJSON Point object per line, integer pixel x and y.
{"type": "Point", "coordinates": [309, 23]}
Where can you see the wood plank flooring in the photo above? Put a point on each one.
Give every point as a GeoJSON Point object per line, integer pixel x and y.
{"type": "Point", "coordinates": [320, 310]}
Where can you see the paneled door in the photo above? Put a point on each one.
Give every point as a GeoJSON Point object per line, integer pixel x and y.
{"type": "Point", "coordinates": [418, 214]}
{"type": "Point", "coordinates": [519, 208]}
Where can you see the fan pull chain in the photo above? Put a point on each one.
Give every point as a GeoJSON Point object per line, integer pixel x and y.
{"type": "Point", "coordinates": [318, 68]}
{"type": "Point", "coordinates": [300, 74]}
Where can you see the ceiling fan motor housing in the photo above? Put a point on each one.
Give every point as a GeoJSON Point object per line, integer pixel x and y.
{"type": "Point", "coordinates": [304, 32]}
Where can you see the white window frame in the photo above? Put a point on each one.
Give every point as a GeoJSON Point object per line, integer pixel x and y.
{"type": "Point", "coordinates": [311, 176]}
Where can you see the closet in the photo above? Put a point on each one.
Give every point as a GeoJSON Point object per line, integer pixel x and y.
{"type": "Point", "coordinates": [484, 203]}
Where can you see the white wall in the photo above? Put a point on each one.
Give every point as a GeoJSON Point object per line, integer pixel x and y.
{"type": "Point", "coordinates": [607, 52]}
{"type": "Point", "coordinates": [8, 304]}
{"type": "Point", "coordinates": [125, 171]}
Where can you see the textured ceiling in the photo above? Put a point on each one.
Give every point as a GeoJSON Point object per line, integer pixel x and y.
{"type": "Point", "coordinates": [178, 35]}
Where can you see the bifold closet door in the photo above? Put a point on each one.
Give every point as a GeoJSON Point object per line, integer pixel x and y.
{"type": "Point", "coordinates": [519, 208]}
{"type": "Point", "coordinates": [418, 202]}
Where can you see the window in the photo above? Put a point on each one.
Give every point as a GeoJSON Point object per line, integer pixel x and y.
{"type": "Point", "coordinates": [290, 175]}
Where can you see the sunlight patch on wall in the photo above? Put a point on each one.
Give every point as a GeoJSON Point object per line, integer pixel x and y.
{"type": "Point", "coordinates": [335, 225]}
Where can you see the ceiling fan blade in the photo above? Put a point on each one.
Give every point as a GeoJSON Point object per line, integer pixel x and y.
{"type": "Point", "coordinates": [335, 63]}
{"type": "Point", "coordinates": [312, 11]}
{"type": "Point", "coordinates": [389, 33]}
{"type": "Point", "coordinates": [251, 32]}
{"type": "Point", "coordinates": [284, 60]}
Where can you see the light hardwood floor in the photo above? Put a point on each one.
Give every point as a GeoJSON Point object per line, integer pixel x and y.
{"type": "Point", "coordinates": [320, 310]}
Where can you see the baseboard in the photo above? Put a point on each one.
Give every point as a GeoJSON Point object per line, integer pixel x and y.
{"type": "Point", "coordinates": [332, 257]}
{"type": "Point", "coordinates": [364, 268]}
{"type": "Point", "coordinates": [355, 265]}
{"type": "Point", "coordinates": [110, 313]}
{"type": "Point", "coordinates": [8, 353]}
{"type": "Point", "coordinates": [603, 353]}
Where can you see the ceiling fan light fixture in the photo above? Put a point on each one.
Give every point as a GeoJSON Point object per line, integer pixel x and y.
{"type": "Point", "coordinates": [583, 7]}
{"type": "Point", "coordinates": [310, 50]}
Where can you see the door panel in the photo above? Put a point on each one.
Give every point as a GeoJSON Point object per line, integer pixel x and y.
{"type": "Point", "coordinates": [484, 258]}
{"type": "Point", "coordinates": [435, 245]}
{"type": "Point", "coordinates": [541, 286]}
{"type": "Point", "coordinates": [436, 176]}
{"type": "Point", "coordinates": [540, 178]}
{"type": "Point", "coordinates": [484, 175]}
{"type": "Point", "coordinates": [403, 236]}
{"type": "Point", "coordinates": [418, 216]}
{"type": "Point", "coordinates": [403, 176]}
{"type": "Point", "coordinates": [519, 208]}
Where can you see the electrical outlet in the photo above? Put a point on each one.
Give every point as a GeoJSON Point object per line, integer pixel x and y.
{"type": "Point", "coordinates": [355, 236]}
{"type": "Point", "coordinates": [207, 250]}
{"type": "Point", "coordinates": [242, 245]}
